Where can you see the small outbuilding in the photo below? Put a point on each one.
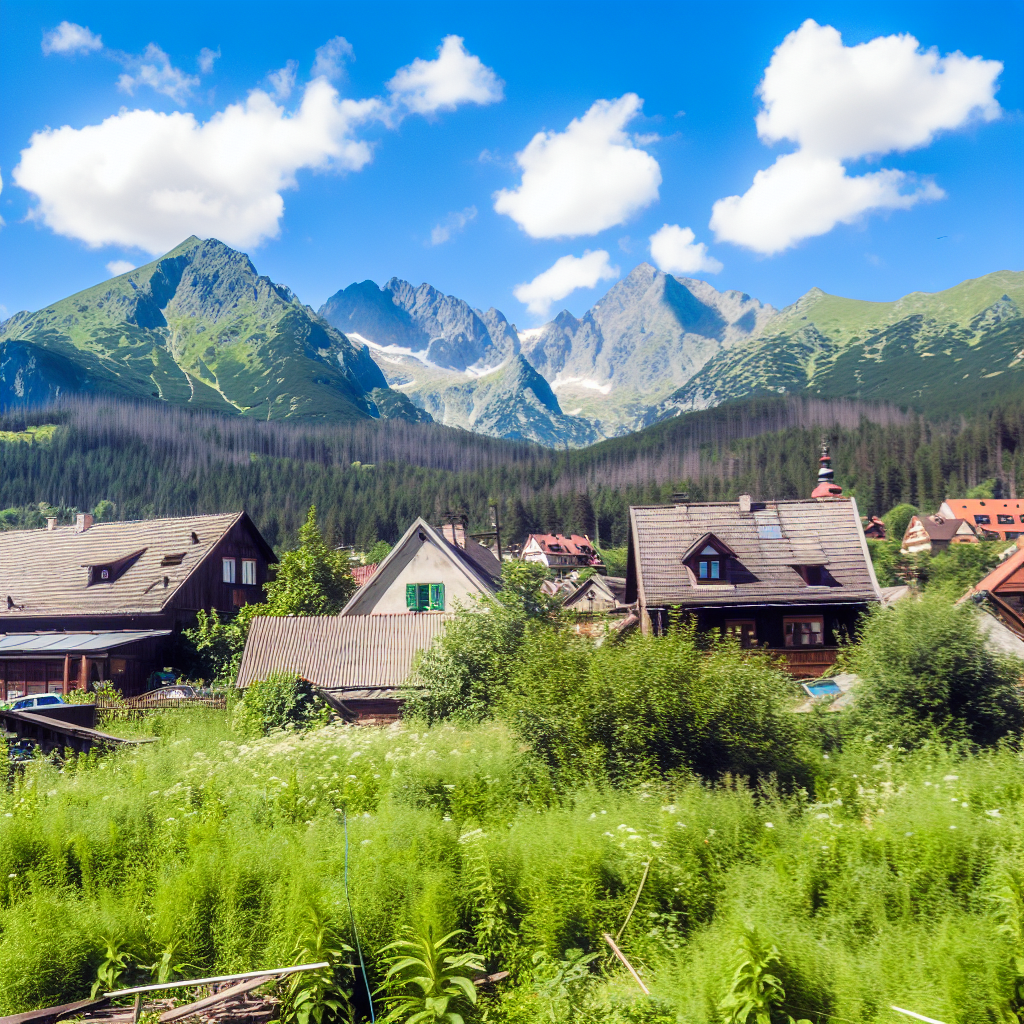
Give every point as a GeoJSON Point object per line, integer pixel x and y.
{"type": "Point", "coordinates": [364, 662]}
{"type": "Point", "coordinates": [936, 533]}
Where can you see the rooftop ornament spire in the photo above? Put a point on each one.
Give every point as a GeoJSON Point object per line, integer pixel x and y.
{"type": "Point", "coordinates": [827, 488]}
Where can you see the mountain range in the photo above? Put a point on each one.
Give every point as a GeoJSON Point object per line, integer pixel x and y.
{"type": "Point", "coordinates": [199, 326]}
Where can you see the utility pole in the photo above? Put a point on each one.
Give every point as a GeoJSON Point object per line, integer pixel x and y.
{"type": "Point", "coordinates": [496, 523]}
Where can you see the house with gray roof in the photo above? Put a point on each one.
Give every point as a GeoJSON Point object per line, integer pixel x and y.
{"type": "Point", "coordinates": [793, 576]}
{"type": "Point", "coordinates": [102, 601]}
{"type": "Point", "coordinates": [428, 571]}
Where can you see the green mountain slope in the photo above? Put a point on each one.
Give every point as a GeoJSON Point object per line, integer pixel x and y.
{"type": "Point", "coordinates": [936, 352]}
{"type": "Point", "coordinates": [200, 327]}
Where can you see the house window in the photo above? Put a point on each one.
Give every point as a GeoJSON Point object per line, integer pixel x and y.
{"type": "Point", "coordinates": [806, 631]}
{"type": "Point", "coordinates": [1005, 520]}
{"type": "Point", "coordinates": [421, 597]}
{"type": "Point", "coordinates": [249, 572]}
{"type": "Point", "coordinates": [814, 575]}
{"type": "Point", "coordinates": [710, 569]}
{"type": "Point", "coordinates": [744, 630]}
{"type": "Point", "coordinates": [227, 566]}
{"type": "Point", "coordinates": [982, 520]}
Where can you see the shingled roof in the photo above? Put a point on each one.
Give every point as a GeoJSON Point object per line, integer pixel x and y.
{"type": "Point", "coordinates": [50, 572]}
{"type": "Point", "coordinates": [769, 542]}
{"type": "Point", "coordinates": [339, 652]}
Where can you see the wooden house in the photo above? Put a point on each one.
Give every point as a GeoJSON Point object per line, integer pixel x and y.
{"type": "Point", "coordinates": [936, 533]}
{"type": "Point", "coordinates": [103, 601]}
{"type": "Point", "coordinates": [561, 554]}
{"type": "Point", "coordinates": [363, 662]}
{"type": "Point", "coordinates": [1003, 589]}
{"type": "Point", "coordinates": [793, 576]}
{"type": "Point", "coordinates": [992, 518]}
{"type": "Point", "coordinates": [600, 595]}
{"type": "Point", "coordinates": [428, 570]}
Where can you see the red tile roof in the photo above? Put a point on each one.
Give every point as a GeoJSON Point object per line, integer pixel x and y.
{"type": "Point", "coordinates": [361, 573]}
{"type": "Point", "coordinates": [555, 543]}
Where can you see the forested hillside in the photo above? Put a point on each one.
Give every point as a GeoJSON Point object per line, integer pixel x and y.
{"type": "Point", "coordinates": [369, 479]}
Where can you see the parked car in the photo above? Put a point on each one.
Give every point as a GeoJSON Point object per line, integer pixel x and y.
{"type": "Point", "coordinates": [43, 700]}
{"type": "Point", "coordinates": [175, 692]}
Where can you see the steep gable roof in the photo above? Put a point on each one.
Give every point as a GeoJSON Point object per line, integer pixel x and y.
{"type": "Point", "coordinates": [769, 542]}
{"type": "Point", "coordinates": [477, 565]}
{"type": "Point", "coordinates": [938, 527]}
{"type": "Point", "coordinates": [338, 651]}
{"type": "Point", "coordinates": [1009, 570]}
{"type": "Point", "coordinates": [53, 572]}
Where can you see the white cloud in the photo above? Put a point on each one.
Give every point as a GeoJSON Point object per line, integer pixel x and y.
{"type": "Point", "coordinates": [69, 38]}
{"type": "Point", "coordinates": [331, 57]}
{"type": "Point", "coordinates": [148, 179]}
{"type": "Point", "coordinates": [452, 225]}
{"type": "Point", "coordinates": [154, 68]}
{"type": "Point", "coordinates": [565, 276]}
{"type": "Point", "coordinates": [802, 196]}
{"type": "Point", "coordinates": [585, 179]}
{"type": "Point", "coordinates": [282, 81]}
{"type": "Point", "coordinates": [118, 267]}
{"type": "Point", "coordinates": [206, 59]}
{"type": "Point", "coordinates": [674, 250]}
{"type": "Point", "coordinates": [457, 76]}
{"type": "Point", "coordinates": [878, 97]}
{"type": "Point", "coordinates": [840, 103]}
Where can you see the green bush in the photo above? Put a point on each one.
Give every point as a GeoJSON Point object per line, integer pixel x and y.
{"type": "Point", "coordinates": [959, 567]}
{"type": "Point", "coordinates": [653, 705]}
{"type": "Point", "coordinates": [926, 670]}
{"type": "Point", "coordinates": [279, 701]}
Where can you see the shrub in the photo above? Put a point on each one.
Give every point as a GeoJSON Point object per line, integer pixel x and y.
{"type": "Point", "coordinates": [959, 567]}
{"type": "Point", "coordinates": [926, 669]}
{"type": "Point", "coordinates": [653, 705]}
{"type": "Point", "coordinates": [278, 701]}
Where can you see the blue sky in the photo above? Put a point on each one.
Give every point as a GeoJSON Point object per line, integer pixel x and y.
{"type": "Point", "coordinates": [409, 146]}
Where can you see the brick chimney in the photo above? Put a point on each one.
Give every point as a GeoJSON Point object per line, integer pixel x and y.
{"type": "Point", "coordinates": [744, 502]}
{"type": "Point", "coordinates": [82, 522]}
{"type": "Point", "coordinates": [51, 522]}
{"type": "Point", "coordinates": [455, 533]}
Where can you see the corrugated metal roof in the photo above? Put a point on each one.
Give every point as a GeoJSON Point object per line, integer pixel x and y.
{"type": "Point", "coordinates": [827, 531]}
{"type": "Point", "coordinates": [73, 643]}
{"type": "Point", "coordinates": [338, 651]}
{"type": "Point", "coordinates": [47, 572]}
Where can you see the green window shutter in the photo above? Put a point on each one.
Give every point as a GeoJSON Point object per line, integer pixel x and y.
{"type": "Point", "coordinates": [410, 596]}
{"type": "Point", "coordinates": [423, 596]}
{"type": "Point", "coordinates": [437, 597]}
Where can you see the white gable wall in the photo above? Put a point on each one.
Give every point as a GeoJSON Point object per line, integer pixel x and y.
{"type": "Point", "coordinates": [427, 565]}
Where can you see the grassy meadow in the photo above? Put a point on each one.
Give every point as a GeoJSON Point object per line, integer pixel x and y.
{"type": "Point", "coordinates": [894, 878]}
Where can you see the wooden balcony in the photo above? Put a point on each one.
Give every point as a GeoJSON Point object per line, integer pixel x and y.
{"type": "Point", "coordinates": [808, 662]}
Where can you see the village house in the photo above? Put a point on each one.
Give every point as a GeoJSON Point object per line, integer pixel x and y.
{"type": "Point", "coordinates": [428, 570]}
{"type": "Point", "coordinates": [561, 554]}
{"type": "Point", "coordinates": [793, 576]}
{"type": "Point", "coordinates": [104, 601]}
{"type": "Point", "coordinates": [1003, 590]}
{"type": "Point", "coordinates": [936, 533]}
{"type": "Point", "coordinates": [600, 595]}
{"type": "Point", "coordinates": [992, 518]}
{"type": "Point", "coordinates": [874, 529]}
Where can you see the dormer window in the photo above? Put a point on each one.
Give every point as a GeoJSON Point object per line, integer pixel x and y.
{"type": "Point", "coordinates": [707, 559]}
{"type": "Point", "coordinates": [108, 572]}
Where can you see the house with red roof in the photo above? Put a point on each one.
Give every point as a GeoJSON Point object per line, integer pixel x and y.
{"type": "Point", "coordinates": [1003, 588]}
{"type": "Point", "coordinates": [562, 554]}
{"type": "Point", "coordinates": [992, 518]}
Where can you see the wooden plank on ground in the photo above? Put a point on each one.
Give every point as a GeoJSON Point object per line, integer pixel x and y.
{"type": "Point", "coordinates": [181, 1012]}
{"type": "Point", "coordinates": [55, 1013]}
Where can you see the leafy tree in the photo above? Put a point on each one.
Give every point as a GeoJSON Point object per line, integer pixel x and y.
{"type": "Point", "coordinates": [314, 579]}
{"type": "Point", "coordinates": [614, 560]}
{"type": "Point", "coordinates": [469, 665]}
{"type": "Point", "coordinates": [104, 511]}
{"type": "Point", "coordinates": [377, 553]}
{"type": "Point", "coordinates": [986, 489]}
{"type": "Point", "coordinates": [218, 645]}
{"type": "Point", "coordinates": [959, 567]}
{"type": "Point", "coordinates": [927, 670]}
{"type": "Point", "coordinates": [898, 519]}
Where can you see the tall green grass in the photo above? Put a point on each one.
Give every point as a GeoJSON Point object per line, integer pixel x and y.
{"type": "Point", "coordinates": [879, 886]}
